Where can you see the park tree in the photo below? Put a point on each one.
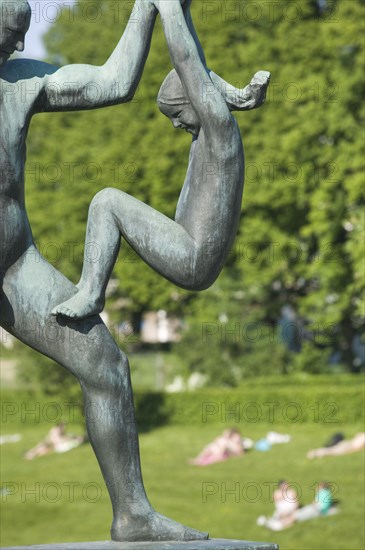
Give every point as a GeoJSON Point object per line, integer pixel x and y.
{"type": "Point", "coordinates": [300, 242]}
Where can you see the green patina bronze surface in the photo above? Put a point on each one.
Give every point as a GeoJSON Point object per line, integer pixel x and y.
{"type": "Point", "coordinates": [211, 544]}
{"type": "Point", "coordinates": [43, 309]}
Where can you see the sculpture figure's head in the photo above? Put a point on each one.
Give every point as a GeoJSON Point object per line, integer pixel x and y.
{"type": "Point", "coordinates": [173, 103]}
{"type": "Point", "coordinates": [14, 24]}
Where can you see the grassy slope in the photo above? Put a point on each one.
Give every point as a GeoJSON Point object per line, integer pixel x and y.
{"type": "Point", "coordinates": [176, 489]}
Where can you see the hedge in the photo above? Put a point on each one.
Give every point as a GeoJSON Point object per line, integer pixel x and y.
{"type": "Point", "coordinates": [278, 401]}
{"type": "Point", "coordinates": [277, 405]}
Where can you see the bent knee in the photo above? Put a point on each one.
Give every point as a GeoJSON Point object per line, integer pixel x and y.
{"type": "Point", "coordinates": [109, 373]}
{"type": "Point", "coordinates": [106, 198]}
{"type": "Point", "coordinates": [201, 282]}
{"type": "Point", "coordinates": [201, 276]}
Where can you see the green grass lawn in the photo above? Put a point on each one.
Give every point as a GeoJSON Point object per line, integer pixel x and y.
{"type": "Point", "coordinates": [62, 497]}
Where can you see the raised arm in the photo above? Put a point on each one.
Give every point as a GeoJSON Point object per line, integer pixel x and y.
{"type": "Point", "coordinates": [77, 87]}
{"type": "Point", "coordinates": [186, 58]}
{"type": "Point", "coordinates": [190, 24]}
{"type": "Point", "coordinates": [237, 99]}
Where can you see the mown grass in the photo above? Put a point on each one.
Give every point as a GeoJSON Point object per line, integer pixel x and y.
{"type": "Point", "coordinates": [63, 498]}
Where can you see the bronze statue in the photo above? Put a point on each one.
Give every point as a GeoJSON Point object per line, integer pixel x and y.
{"type": "Point", "coordinates": [189, 251]}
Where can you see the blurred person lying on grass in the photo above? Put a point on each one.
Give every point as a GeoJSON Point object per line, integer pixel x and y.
{"type": "Point", "coordinates": [225, 446]}
{"type": "Point", "coordinates": [322, 505]}
{"type": "Point", "coordinates": [357, 443]}
{"type": "Point", "coordinates": [286, 503]}
{"type": "Point", "coordinates": [56, 441]}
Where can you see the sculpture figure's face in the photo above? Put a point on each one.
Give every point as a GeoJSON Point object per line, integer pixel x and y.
{"type": "Point", "coordinates": [15, 21]}
{"type": "Point", "coordinates": [182, 117]}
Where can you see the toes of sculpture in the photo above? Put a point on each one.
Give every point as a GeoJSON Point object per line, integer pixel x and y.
{"type": "Point", "coordinates": [79, 306]}
{"type": "Point", "coordinates": [64, 311]}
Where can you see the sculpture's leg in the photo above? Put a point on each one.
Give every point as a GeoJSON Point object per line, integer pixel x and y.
{"type": "Point", "coordinates": [31, 287]}
{"type": "Point", "coordinates": [161, 242]}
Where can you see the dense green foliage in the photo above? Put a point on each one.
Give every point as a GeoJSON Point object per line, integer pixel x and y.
{"type": "Point", "coordinates": [301, 236]}
{"type": "Point", "coordinates": [300, 245]}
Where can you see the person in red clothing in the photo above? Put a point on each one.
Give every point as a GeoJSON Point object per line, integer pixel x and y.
{"type": "Point", "coordinates": [226, 445]}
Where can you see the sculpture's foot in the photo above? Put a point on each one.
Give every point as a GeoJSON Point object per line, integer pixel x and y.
{"type": "Point", "coordinates": [153, 527]}
{"type": "Point", "coordinates": [80, 306]}
{"type": "Point", "coordinates": [255, 93]}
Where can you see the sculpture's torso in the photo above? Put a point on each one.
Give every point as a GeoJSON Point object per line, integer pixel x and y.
{"type": "Point", "coordinates": [220, 164]}
{"type": "Point", "coordinates": [14, 226]}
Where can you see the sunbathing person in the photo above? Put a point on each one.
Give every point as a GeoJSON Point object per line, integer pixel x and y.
{"type": "Point", "coordinates": [322, 505]}
{"type": "Point", "coordinates": [190, 250]}
{"type": "Point", "coordinates": [286, 503]}
{"type": "Point", "coordinates": [226, 445]}
{"type": "Point", "coordinates": [56, 441]}
{"type": "Point", "coordinates": [357, 443]}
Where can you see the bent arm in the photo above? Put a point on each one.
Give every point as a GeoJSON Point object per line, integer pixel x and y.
{"type": "Point", "coordinates": [78, 87]}
{"type": "Point", "coordinates": [237, 99]}
{"type": "Point", "coordinates": [184, 52]}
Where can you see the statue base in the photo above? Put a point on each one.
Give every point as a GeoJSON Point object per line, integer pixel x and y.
{"type": "Point", "coordinates": [210, 544]}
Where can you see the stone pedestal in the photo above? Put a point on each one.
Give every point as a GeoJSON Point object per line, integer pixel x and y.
{"type": "Point", "coordinates": [211, 544]}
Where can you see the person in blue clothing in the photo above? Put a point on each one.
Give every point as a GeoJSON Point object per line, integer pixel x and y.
{"type": "Point", "coordinates": [322, 505]}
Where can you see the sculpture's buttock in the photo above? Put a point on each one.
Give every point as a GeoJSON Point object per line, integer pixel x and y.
{"type": "Point", "coordinates": [14, 230]}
